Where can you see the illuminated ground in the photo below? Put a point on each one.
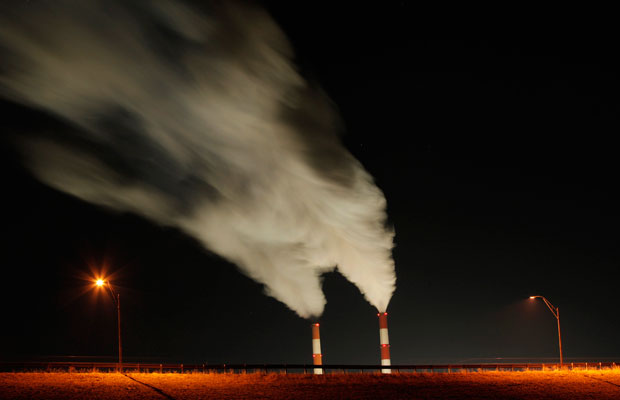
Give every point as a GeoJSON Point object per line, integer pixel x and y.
{"type": "Point", "coordinates": [484, 385]}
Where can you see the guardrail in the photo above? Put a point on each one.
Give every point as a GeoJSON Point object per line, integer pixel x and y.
{"type": "Point", "coordinates": [294, 368]}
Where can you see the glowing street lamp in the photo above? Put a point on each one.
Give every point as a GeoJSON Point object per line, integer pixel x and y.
{"type": "Point", "coordinates": [117, 300]}
{"type": "Point", "coordinates": [556, 314]}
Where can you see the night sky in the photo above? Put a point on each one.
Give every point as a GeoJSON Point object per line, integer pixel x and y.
{"type": "Point", "coordinates": [498, 161]}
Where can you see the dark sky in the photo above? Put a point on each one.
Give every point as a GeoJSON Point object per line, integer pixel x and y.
{"type": "Point", "coordinates": [498, 161]}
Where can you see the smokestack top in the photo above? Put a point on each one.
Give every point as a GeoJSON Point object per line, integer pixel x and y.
{"type": "Point", "coordinates": [382, 320]}
{"type": "Point", "coordinates": [315, 332]}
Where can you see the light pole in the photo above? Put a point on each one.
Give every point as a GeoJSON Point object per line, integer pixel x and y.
{"type": "Point", "coordinates": [556, 314]}
{"type": "Point", "coordinates": [117, 300]}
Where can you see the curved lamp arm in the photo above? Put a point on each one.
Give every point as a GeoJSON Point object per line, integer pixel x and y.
{"type": "Point", "coordinates": [553, 309]}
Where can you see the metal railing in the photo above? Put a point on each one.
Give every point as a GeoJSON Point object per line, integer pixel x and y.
{"type": "Point", "coordinates": [294, 368]}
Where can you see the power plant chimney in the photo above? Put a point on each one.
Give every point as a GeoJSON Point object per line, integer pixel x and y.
{"type": "Point", "coordinates": [317, 358]}
{"type": "Point", "coordinates": [384, 342]}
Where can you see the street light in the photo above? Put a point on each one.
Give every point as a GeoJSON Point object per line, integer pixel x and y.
{"type": "Point", "coordinates": [556, 314]}
{"type": "Point", "coordinates": [117, 300]}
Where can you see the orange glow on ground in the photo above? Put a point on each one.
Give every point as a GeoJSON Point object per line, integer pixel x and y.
{"type": "Point", "coordinates": [578, 384]}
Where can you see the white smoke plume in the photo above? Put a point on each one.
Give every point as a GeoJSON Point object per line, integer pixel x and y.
{"type": "Point", "coordinates": [193, 115]}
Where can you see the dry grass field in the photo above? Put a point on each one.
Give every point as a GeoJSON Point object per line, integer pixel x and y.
{"type": "Point", "coordinates": [599, 385]}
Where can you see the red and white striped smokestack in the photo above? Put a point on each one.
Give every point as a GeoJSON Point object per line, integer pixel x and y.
{"type": "Point", "coordinates": [384, 341]}
{"type": "Point", "coordinates": [317, 358]}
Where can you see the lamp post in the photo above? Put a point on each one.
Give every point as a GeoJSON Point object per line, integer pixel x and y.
{"type": "Point", "coordinates": [556, 314]}
{"type": "Point", "coordinates": [117, 300]}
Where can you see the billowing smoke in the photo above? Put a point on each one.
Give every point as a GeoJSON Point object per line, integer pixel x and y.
{"type": "Point", "coordinates": [195, 117]}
